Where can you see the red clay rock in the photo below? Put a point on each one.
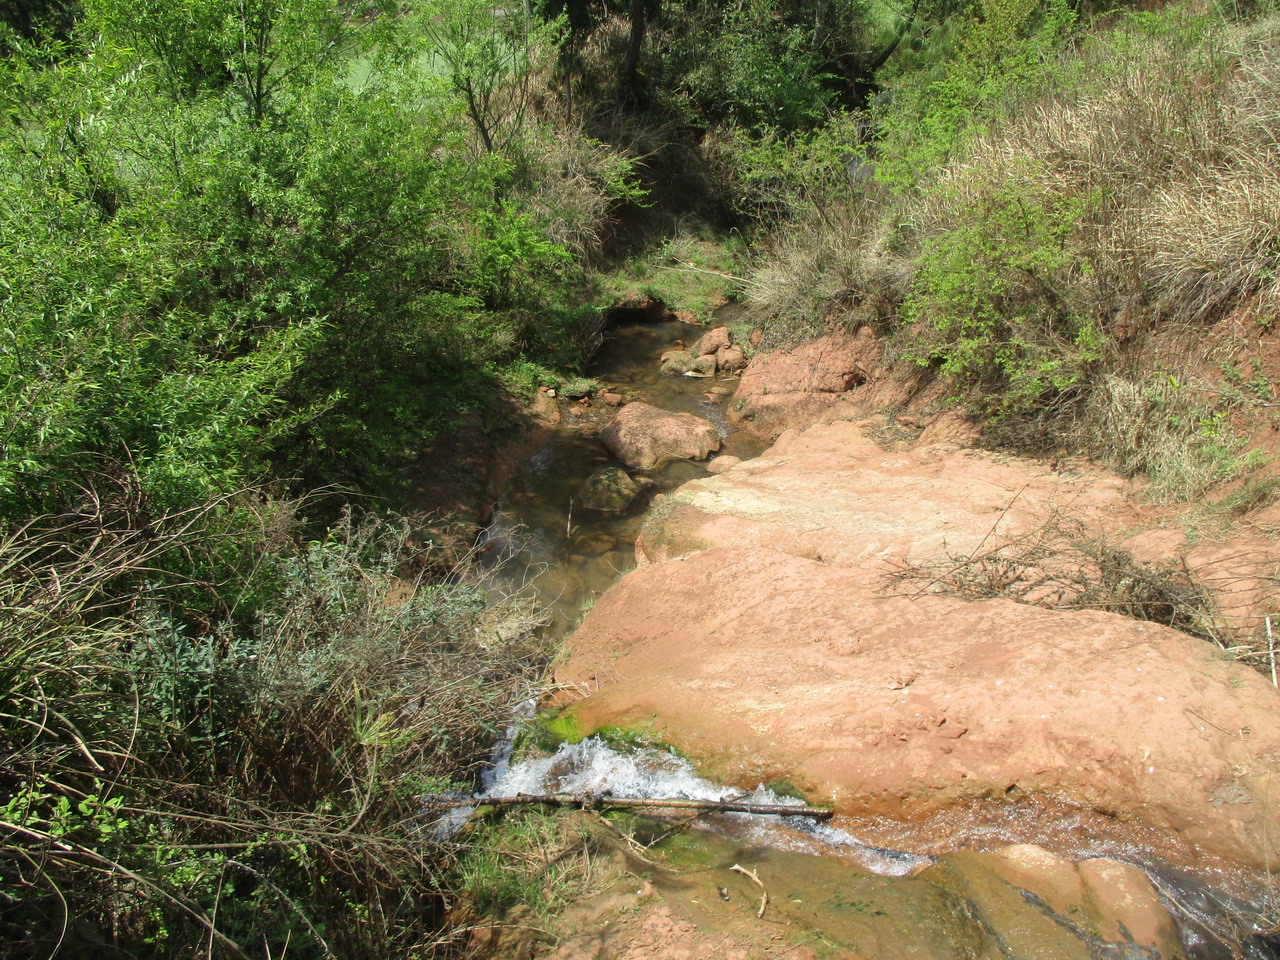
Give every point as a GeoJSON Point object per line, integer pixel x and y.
{"type": "Point", "coordinates": [794, 388]}
{"type": "Point", "coordinates": [611, 399]}
{"type": "Point", "coordinates": [712, 341]}
{"type": "Point", "coordinates": [730, 359]}
{"type": "Point", "coordinates": [721, 464]}
{"type": "Point", "coordinates": [644, 437]}
{"type": "Point", "coordinates": [762, 639]}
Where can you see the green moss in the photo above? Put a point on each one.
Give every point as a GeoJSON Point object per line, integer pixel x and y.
{"type": "Point", "coordinates": [783, 787]}
{"type": "Point", "coordinates": [550, 730]}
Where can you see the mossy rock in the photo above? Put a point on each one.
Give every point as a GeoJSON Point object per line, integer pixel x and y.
{"type": "Point", "coordinates": [609, 489]}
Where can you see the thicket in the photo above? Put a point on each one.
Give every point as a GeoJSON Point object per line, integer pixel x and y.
{"type": "Point", "coordinates": [248, 248]}
{"type": "Point", "coordinates": [1031, 209]}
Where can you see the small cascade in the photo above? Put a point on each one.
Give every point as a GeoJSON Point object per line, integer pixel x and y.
{"type": "Point", "coordinates": [593, 768]}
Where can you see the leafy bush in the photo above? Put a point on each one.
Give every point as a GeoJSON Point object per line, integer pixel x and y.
{"type": "Point", "coordinates": [759, 71]}
{"type": "Point", "coordinates": [991, 293]}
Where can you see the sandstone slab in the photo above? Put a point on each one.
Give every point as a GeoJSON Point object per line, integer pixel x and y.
{"type": "Point", "coordinates": [762, 638]}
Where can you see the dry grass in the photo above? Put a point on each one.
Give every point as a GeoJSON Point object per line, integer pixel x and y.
{"type": "Point", "coordinates": [217, 783]}
{"type": "Point", "coordinates": [1174, 148]}
{"type": "Point", "coordinates": [1161, 427]}
{"type": "Point", "coordinates": [1163, 142]}
{"type": "Point", "coordinates": [840, 253]}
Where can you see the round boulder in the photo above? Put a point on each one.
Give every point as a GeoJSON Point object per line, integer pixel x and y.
{"type": "Point", "coordinates": [645, 437]}
{"type": "Point", "coordinates": [712, 341]}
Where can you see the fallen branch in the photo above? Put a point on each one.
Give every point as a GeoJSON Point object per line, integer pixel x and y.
{"type": "Point", "coordinates": [764, 894]}
{"type": "Point", "coordinates": [593, 801]}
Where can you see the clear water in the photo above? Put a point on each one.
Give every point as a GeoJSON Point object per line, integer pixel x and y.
{"type": "Point", "coordinates": [572, 554]}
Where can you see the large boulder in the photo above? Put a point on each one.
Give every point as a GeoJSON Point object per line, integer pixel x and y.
{"type": "Point", "coordinates": [812, 381]}
{"type": "Point", "coordinates": [765, 640]}
{"type": "Point", "coordinates": [676, 361]}
{"type": "Point", "coordinates": [704, 366]}
{"type": "Point", "coordinates": [645, 437]}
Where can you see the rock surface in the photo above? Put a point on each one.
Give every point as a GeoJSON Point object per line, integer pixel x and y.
{"type": "Point", "coordinates": [730, 359]}
{"type": "Point", "coordinates": [712, 341]}
{"type": "Point", "coordinates": [645, 437]}
{"type": "Point", "coordinates": [761, 638]}
{"type": "Point", "coordinates": [791, 388]}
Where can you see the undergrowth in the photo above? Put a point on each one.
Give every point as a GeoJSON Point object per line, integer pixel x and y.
{"type": "Point", "coordinates": [179, 783]}
{"type": "Point", "coordinates": [1026, 213]}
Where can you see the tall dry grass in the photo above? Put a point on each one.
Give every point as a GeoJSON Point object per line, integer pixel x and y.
{"type": "Point", "coordinates": [1150, 155]}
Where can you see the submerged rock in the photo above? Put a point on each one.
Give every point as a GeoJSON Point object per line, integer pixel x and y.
{"type": "Point", "coordinates": [644, 437]}
{"type": "Point", "coordinates": [676, 361]}
{"type": "Point", "coordinates": [610, 489]}
{"type": "Point", "coordinates": [1019, 901]}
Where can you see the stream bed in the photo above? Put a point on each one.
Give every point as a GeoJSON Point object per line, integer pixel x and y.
{"type": "Point", "coordinates": [569, 555]}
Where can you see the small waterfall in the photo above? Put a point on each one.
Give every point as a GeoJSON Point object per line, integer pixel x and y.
{"type": "Point", "coordinates": [593, 768]}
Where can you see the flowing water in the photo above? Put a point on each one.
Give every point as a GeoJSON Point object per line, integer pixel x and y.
{"type": "Point", "coordinates": [574, 554]}
{"type": "Point", "coordinates": [570, 555]}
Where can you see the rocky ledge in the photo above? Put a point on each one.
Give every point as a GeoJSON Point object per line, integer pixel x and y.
{"type": "Point", "coordinates": [764, 635]}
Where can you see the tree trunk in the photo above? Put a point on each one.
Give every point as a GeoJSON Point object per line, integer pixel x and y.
{"type": "Point", "coordinates": [631, 68]}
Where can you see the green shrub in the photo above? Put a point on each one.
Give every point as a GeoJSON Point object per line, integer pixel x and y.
{"type": "Point", "coordinates": [992, 298]}
{"type": "Point", "coordinates": [252, 780]}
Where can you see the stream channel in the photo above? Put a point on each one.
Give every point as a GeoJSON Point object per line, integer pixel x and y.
{"type": "Point", "coordinates": [568, 555]}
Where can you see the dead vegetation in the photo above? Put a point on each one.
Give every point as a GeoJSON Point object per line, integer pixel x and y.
{"type": "Point", "coordinates": [1062, 565]}
{"type": "Point", "coordinates": [220, 782]}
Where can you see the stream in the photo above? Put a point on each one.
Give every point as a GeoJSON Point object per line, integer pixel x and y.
{"type": "Point", "coordinates": [571, 555]}
{"type": "Point", "coordinates": [568, 555]}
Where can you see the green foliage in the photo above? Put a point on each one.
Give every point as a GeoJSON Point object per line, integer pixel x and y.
{"type": "Point", "coordinates": [1008, 45]}
{"type": "Point", "coordinates": [526, 860]}
{"type": "Point", "coordinates": [759, 71]}
{"type": "Point", "coordinates": [689, 271]}
{"type": "Point", "coordinates": [220, 250]}
{"type": "Point", "coordinates": [489, 61]}
{"type": "Point", "coordinates": [989, 291]}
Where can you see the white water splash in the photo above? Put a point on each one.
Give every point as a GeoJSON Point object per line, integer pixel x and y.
{"type": "Point", "coordinates": [592, 767]}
